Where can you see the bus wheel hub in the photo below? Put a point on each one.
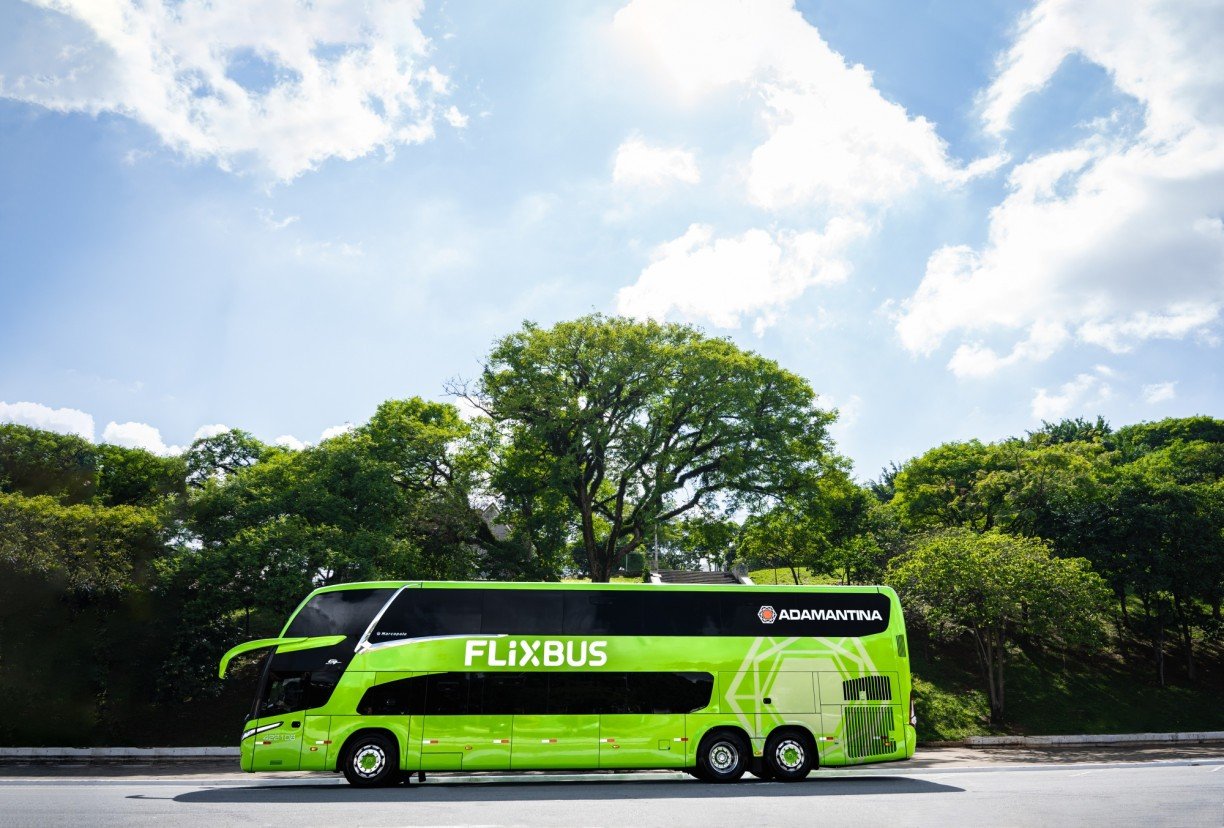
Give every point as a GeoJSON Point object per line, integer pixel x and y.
{"type": "Point", "coordinates": [789, 754]}
{"type": "Point", "coordinates": [723, 757]}
{"type": "Point", "coordinates": [369, 760]}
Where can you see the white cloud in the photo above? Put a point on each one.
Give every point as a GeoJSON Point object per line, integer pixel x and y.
{"type": "Point", "coordinates": [1164, 53]}
{"type": "Point", "coordinates": [335, 431]}
{"type": "Point", "coordinates": [638, 164]}
{"type": "Point", "coordinates": [834, 150]}
{"type": "Point", "coordinates": [1074, 398]}
{"type": "Point", "coordinates": [1159, 392]}
{"type": "Point", "coordinates": [848, 413]}
{"type": "Point", "coordinates": [1114, 240]}
{"type": "Point", "coordinates": [277, 84]}
{"type": "Point", "coordinates": [833, 139]}
{"type": "Point", "coordinates": [206, 431]}
{"type": "Point", "coordinates": [725, 279]}
{"type": "Point", "coordinates": [36, 415]}
{"type": "Point", "coordinates": [271, 221]}
{"type": "Point", "coordinates": [974, 359]}
{"type": "Point", "coordinates": [290, 442]}
{"type": "Point", "coordinates": [138, 435]}
{"type": "Point", "coordinates": [456, 118]}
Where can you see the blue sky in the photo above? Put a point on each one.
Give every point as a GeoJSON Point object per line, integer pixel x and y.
{"type": "Point", "coordinates": [955, 220]}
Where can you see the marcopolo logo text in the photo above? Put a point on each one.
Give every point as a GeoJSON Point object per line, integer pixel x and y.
{"type": "Point", "coordinates": [519, 653]}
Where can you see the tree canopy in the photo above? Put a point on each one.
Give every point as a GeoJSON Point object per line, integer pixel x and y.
{"type": "Point", "coordinates": [994, 587]}
{"type": "Point", "coordinates": [637, 423]}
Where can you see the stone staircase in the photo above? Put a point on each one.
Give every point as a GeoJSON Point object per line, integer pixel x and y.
{"type": "Point", "coordinates": [682, 576]}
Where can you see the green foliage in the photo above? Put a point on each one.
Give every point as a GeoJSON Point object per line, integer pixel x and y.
{"type": "Point", "coordinates": [35, 462]}
{"type": "Point", "coordinates": [227, 453]}
{"type": "Point", "coordinates": [695, 541]}
{"type": "Point", "coordinates": [134, 477]}
{"type": "Point", "coordinates": [994, 587]}
{"type": "Point", "coordinates": [637, 423]}
{"type": "Point", "coordinates": [82, 549]}
{"type": "Point", "coordinates": [830, 526]}
{"type": "Point", "coordinates": [80, 623]}
{"type": "Point", "coordinates": [635, 563]}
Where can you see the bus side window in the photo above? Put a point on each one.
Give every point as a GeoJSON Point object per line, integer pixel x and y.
{"type": "Point", "coordinates": [446, 694]}
{"type": "Point", "coordinates": [603, 613]}
{"type": "Point", "coordinates": [514, 694]}
{"type": "Point", "coordinates": [521, 612]}
{"type": "Point", "coordinates": [403, 697]}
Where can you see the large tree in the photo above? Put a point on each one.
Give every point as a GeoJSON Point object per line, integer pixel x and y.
{"type": "Point", "coordinates": [995, 587]}
{"type": "Point", "coordinates": [638, 423]}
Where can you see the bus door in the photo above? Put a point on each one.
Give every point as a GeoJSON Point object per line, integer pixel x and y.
{"type": "Point", "coordinates": [315, 730]}
{"type": "Point", "coordinates": [278, 740]}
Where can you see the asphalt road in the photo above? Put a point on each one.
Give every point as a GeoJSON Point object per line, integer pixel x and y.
{"type": "Point", "coordinates": [1179, 792]}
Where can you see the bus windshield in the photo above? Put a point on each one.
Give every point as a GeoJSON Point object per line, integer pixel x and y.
{"type": "Point", "coordinates": [346, 612]}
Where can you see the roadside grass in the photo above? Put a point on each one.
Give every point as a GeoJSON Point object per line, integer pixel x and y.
{"type": "Point", "coordinates": [783, 577]}
{"type": "Point", "coordinates": [1048, 694]}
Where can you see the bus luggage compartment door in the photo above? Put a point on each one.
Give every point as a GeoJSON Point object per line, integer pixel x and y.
{"type": "Point", "coordinates": [642, 740]}
{"type": "Point", "coordinates": [479, 742]}
{"type": "Point", "coordinates": [544, 742]}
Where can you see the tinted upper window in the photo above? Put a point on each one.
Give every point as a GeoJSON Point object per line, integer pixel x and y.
{"type": "Point", "coordinates": [566, 693]}
{"type": "Point", "coordinates": [346, 612]}
{"type": "Point", "coordinates": [419, 613]}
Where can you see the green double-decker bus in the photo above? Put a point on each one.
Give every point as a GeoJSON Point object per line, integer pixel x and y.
{"type": "Point", "coordinates": [382, 679]}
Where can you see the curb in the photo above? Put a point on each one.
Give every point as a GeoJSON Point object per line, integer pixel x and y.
{"type": "Point", "coordinates": [1101, 740]}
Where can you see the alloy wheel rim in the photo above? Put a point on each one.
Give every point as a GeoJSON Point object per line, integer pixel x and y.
{"type": "Point", "coordinates": [369, 761]}
{"type": "Point", "coordinates": [723, 756]}
{"type": "Point", "coordinates": [789, 754]}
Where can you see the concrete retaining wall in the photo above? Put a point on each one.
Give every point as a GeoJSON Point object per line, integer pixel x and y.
{"type": "Point", "coordinates": [1104, 739]}
{"type": "Point", "coordinates": [54, 753]}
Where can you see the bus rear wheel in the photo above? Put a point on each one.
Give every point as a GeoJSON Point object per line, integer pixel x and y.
{"type": "Point", "coordinates": [722, 757]}
{"type": "Point", "coordinates": [789, 755]}
{"type": "Point", "coordinates": [372, 761]}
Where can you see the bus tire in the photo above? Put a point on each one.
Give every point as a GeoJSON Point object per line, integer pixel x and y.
{"type": "Point", "coordinates": [371, 760]}
{"type": "Point", "coordinates": [722, 756]}
{"type": "Point", "coordinates": [790, 754]}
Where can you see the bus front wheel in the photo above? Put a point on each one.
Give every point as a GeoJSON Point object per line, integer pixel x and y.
{"type": "Point", "coordinates": [722, 757]}
{"type": "Point", "coordinates": [789, 755]}
{"type": "Point", "coordinates": [372, 761]}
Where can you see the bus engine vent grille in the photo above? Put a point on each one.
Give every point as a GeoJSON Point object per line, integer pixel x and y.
{"type": "Point", "coordinates": [868, 731]}
{"type": "Point", "coordinates": [867, 688]}
{"type": "Point", "coordinates": [902, 652]}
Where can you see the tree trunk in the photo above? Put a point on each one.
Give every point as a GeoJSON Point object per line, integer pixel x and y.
{"type": "Point", "coordinates": [1183, 623]}
{"type": "Point", "coordinates": [1160, 653]}
{"type": "Point", "coordinates": [991, 663]}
